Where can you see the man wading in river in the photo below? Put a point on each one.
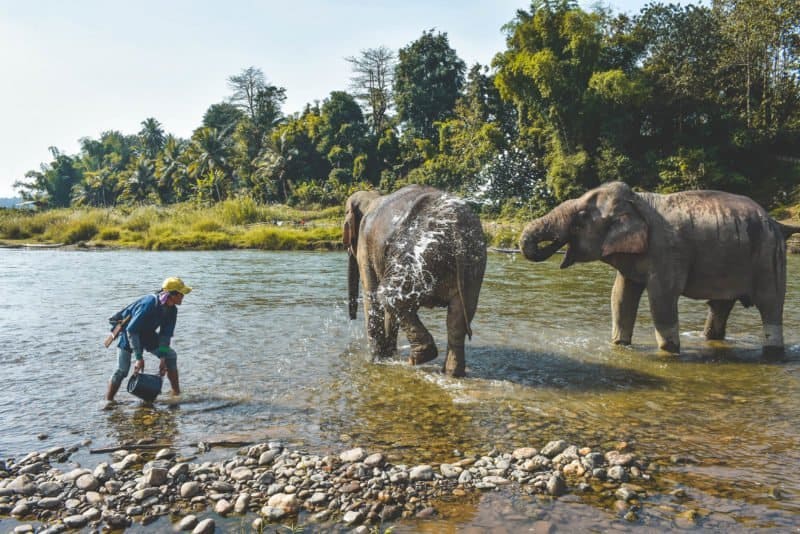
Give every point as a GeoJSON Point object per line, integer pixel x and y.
{"type": "Point", "coordinates": [147, 324]}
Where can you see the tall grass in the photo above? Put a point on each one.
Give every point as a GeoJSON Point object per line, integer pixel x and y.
{"type": "Point", "coordinates": [235, 223]}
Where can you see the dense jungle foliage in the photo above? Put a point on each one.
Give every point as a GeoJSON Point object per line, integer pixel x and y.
{"type": "Point", "coordinates": [673, 98]}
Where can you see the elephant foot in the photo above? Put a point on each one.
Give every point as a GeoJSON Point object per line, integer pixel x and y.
{"type": "Point", "coordinates": [624, 342]}
{"type": "Point", "coordinates": [420, 356]}
{"type": "Point", "coordinates": [773, 352]}
{"type": "Point", "coordinates": [669, 346]}
{"type": "Point", "coordinates": [453, 367]}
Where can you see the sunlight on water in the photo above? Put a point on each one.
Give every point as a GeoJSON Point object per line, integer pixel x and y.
{"type": "Point", "coordinates": [266, 351]}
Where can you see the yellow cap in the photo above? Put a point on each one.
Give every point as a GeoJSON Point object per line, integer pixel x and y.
{"type": "Point", "coordinates": [173, 283]}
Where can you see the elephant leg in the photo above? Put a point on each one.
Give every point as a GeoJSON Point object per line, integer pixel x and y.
{"type": "Point", "coordinates": [454, 363]}
{"type": "Point", "coordinates": [772, 321]}
{"type": "Point", "coordinates": [718, 312]}
{"type": "Point", "coordinates": [374, 314]}
{"type": "Point", "coordinates": [390, 327]}
{"type": "Point", "coordinates": [664, 310]}
{"type": "Point", "coordinates": [423, 348]}
{"type": "Point", "coordinates": [625, 297]}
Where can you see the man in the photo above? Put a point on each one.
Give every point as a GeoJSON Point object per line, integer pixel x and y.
{"type": "Point", "coordinates": [150, 323]}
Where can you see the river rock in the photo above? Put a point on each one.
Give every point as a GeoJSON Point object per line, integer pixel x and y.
{"type": "Point", "coordinates": [187, 523]}
{"type": "Point", "coordinates": [165, 454]}
{"type": "Point", "coordinates": [374, 460]}
{"type": "Point", "coordinates": [556, 486]}
{"type": "Point", "coordinates": [190, 489]}
{"type": "Point", "coordinates": [242, 502]}
{"type": "Point", "coordinates": [223, 507]}
{"type": "Point", "coordinates": [155, 476]}
{"type": "Point", "coordinates": [554, 448]}
{"type": "Point", "coordinates": [617, 473]}
{"type": "Point", "coordinates": [103, 472]}
{"type": "Point", "coordinates": [178, 470]}
{"type": "Point", "coordinates": [206, 526]}
{"type": "Point", "coordinates": [49, 503]}
{"type": "Point", "coordinates": [352, 517]}
{"type": "Point", "coordinates": [23, 485]}
{"type": "Point", "coordinates": [87, 482]}
{"type": "Point", "coordinates": [75, 521]}
{"type": "Point", "coordinates": [284, 501]}
{"type": "Point", "coordinates": [523, 453]}
{"type": "Point", "coordinates": [50, 489]}
{"type": "Point", "coordinates": [353, 455]}
{"type": "Point", "coordinates": [241, 473]}
{"type": "Point", "coordinates": [449, 471]}
{"type": "Point", "coordinates": [420, 472]}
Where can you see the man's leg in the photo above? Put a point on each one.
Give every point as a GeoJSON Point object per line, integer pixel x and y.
{"type": "Point", "coordinates": [172, 371]}
{"type": "Point", "coordinates": [123, 365]}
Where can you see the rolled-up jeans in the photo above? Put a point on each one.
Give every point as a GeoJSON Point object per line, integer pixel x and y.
{"type": "Point", "coordinates": [124, 363]}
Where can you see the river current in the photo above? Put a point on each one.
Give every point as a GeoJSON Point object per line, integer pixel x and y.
{"type": "Point", "coordinates": [266, 352]}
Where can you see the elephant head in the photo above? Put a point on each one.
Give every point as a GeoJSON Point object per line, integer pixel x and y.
{"type": "Point", "coordinates": [356, 207]}
{"type": "Point", "coordinates": [603, 222]}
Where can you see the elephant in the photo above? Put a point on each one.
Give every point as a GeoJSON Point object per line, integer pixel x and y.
{"type": "Point", "coordinates": [416, 247]}
{"type": "Point", "coordinates": [699, 244]}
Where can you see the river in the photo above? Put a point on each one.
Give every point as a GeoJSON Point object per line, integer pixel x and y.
{"type": "Point", "coordinates": [266, 352]}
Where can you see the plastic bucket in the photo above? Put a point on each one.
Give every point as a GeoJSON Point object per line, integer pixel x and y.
{"type": "Point", "coordinates": [146, 387]}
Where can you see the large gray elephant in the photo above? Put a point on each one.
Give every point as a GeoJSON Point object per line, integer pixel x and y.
{"type": "Point", "coordinates": [699, 244]}
{"type": "Point", "coordinates": [415, 247]}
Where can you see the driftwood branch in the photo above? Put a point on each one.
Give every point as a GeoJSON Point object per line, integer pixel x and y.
{"type": "Point", "coordinates": [158, 446]}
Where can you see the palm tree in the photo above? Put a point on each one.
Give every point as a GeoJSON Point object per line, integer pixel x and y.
{"type": "Point", "coordinates": [273, 162]}
{"type": "Point", "coordinates": [210, 151]}
{"type": "Point", "coordinates": [140, 186]}
{"type": "Point", "coordinates": [151, 137]}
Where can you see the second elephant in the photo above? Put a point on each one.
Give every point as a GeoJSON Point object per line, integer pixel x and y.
{"type": "Point", "coordinates": [700, 244]}
{"type": "Point", "coordinates": [417, 247]}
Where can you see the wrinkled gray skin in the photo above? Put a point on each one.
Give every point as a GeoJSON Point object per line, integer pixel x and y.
{"type": "Point", "coordinates": [699, 244]}
{"type": "Point", "coordinates": [415, 247]}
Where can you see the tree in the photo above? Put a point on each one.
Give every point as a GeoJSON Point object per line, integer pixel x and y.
{"type": "Point", "coordinates": [245, 87]}
{"type": "Point", "coordinates": [427, 83]}
{"type": "Point", "coordinates": [553, 51]}
{"type": "Point", "coordinates": [209, 152]}
{"type": "Point", "coordinates": [140, 185]}
{"type": "Point", "coordinates": [151, 137]}
{"type": "Point", "coordinates": [223, 116]}
{"type": "Point", "coordinates": [53, 184]}
{"type": "Point", "coordinates": [373, 75]}
{"type": "Point", "coordinates": [342, 130]}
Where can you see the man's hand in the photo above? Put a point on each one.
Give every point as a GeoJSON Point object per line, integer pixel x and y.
{"type": "Point", "coordinates": [162, 367]}
{"type": "Point", "coordinates": [138, 367]}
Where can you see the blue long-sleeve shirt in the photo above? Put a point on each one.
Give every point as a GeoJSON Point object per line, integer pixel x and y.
{"type": "Point", "coordinates": [151, 324]}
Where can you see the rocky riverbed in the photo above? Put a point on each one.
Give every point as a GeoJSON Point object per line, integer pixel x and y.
{"type": "Point", "coordinates": [268, 483]}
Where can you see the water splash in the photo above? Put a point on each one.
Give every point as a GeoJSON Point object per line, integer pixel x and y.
{"type": "Point", "coordinates": [411, 277]}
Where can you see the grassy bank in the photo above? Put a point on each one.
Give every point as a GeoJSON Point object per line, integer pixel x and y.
{"type": "Point", "coordinates": [232, 224]}
{"type": "Point", "coordinates": [239, 223]}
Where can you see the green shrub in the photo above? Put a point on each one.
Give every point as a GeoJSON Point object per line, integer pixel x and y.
{"type": "Point", "coordinates": [108, 234]}
{"type": "Point", "coordinates": [73, 232]}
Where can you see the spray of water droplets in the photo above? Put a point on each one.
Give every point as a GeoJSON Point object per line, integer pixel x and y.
{"type": "Point", "coordinates": [410, 277]}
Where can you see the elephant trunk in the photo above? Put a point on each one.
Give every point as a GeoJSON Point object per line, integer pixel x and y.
{"type": "Point", "coordinates": [551, 229]}
{"type": "Point", "coordinates": [352, 285]}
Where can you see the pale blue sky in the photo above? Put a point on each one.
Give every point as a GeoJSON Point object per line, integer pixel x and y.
{"type": "Point", "coordinates": [75, 69]}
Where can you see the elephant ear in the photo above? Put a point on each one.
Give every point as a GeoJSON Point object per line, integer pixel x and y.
{"type": "Point", "coordinates": [627, 235]}
{"type": "Point", "coordinates": [350, 230]}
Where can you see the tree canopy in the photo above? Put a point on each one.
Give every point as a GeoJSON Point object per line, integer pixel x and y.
{"type": "Point", "coordinates": [671, 98]}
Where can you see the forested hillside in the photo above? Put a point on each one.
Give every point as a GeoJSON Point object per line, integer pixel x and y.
{"type": "Point", "coordinates": [673, 98]}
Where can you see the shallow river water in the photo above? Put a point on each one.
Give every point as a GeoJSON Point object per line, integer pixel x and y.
{"type": "Point", "coordinates": [266, 352]}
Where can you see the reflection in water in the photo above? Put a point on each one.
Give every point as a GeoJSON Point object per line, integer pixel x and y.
{"type": "Point", "coordinates": [284, 362]}
{"type": "Point", "coordinates": [144, 422]}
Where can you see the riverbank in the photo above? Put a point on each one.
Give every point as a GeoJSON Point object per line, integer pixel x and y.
{"type": "Point", "coordinates": [267, 484]}
{"type": "Point", "coordinates": [228, 225]}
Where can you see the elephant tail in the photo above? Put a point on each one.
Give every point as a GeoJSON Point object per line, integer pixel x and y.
{"type": "Point", "coordinates": [460, 286]}
{"type": "Point", "coordinates": [787, 230]}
